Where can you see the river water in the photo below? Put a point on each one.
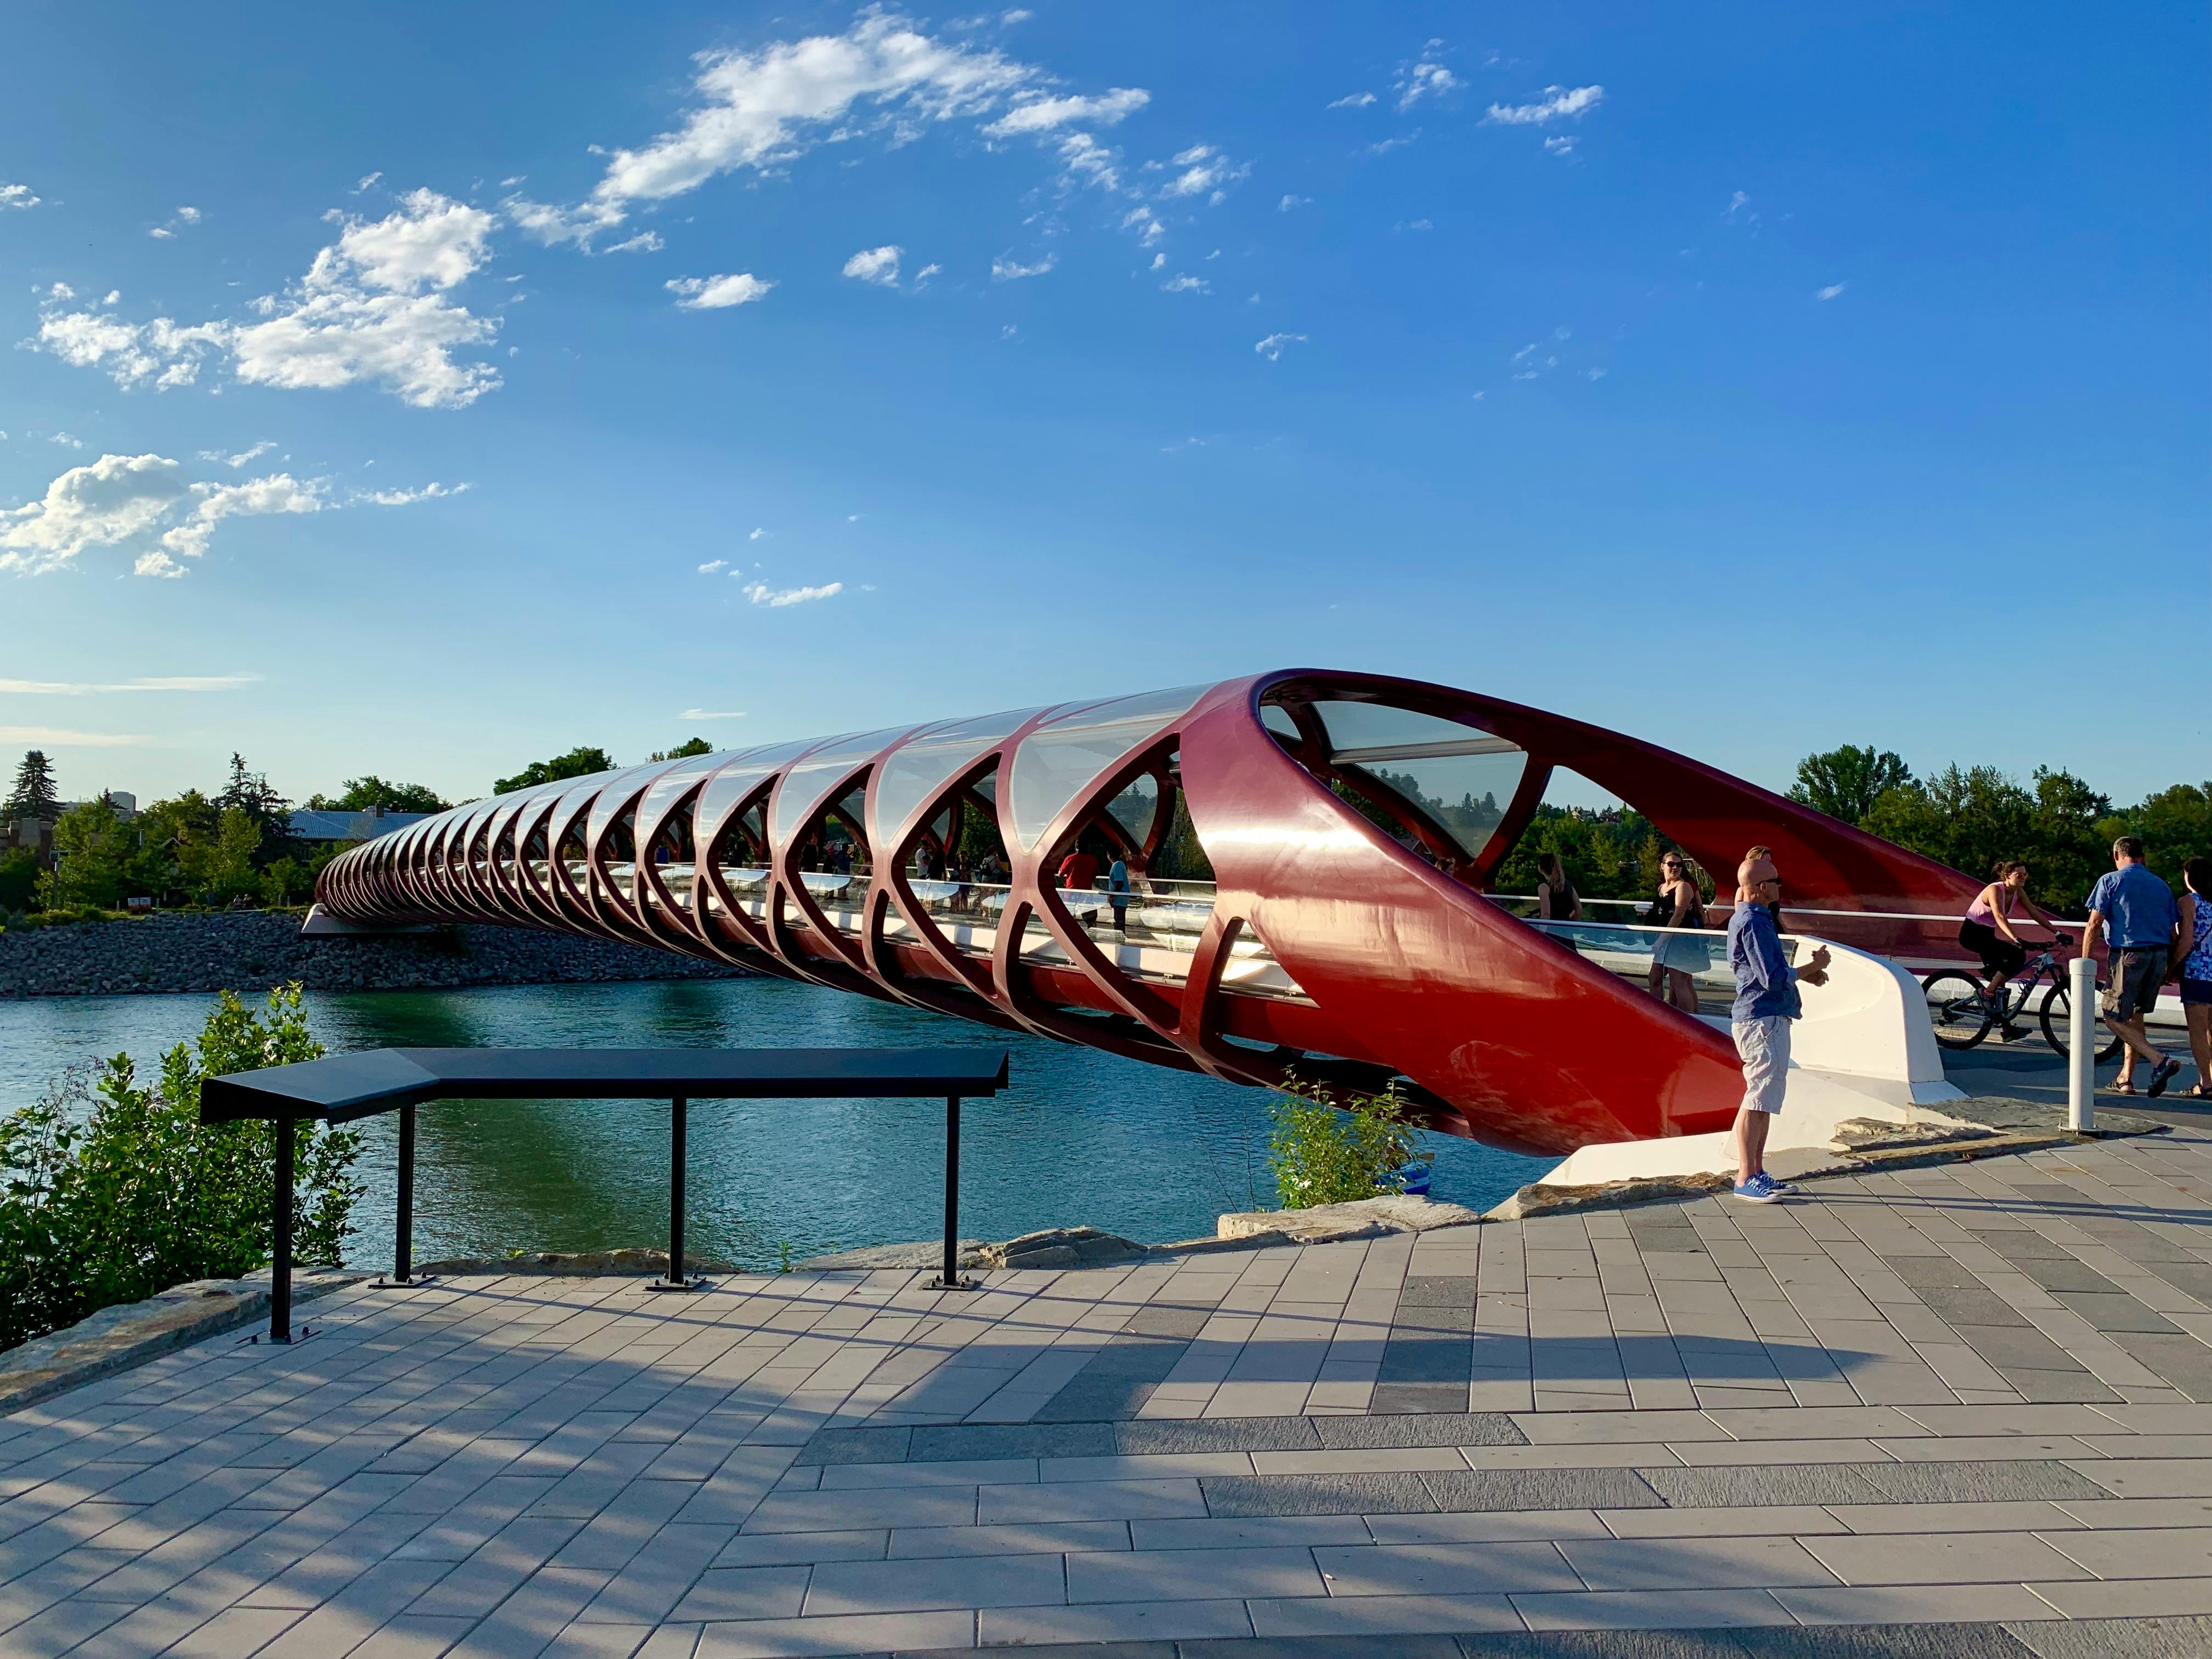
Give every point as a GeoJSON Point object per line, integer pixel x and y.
{"type": "Point", "coordinates": [1080, 1137]}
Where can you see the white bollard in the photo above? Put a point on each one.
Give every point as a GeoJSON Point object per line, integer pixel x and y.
{"type": "Point", "coordinates": [2081, 1045]}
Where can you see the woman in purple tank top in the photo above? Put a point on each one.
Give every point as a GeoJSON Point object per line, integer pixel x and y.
{"type": "Point", "coordinates": [1988, 931]}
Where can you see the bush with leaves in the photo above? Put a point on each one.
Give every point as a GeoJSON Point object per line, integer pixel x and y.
{"type": "Point", "coordinates": [112, 1189]}
{"type": "Point", "coordinates": [1324, 1152]}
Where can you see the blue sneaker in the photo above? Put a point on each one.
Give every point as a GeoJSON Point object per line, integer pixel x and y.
{"type": "Point", "coordinates": [1761, 1189]}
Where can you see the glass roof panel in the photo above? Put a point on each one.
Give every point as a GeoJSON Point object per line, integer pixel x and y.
{"type": "Point", "coordinates": [620, 786]}
{"type": "Point", "coordinates": [1056, 762]}
{"type": "Point", "coordinates": [662, 793]}
{"type": "Point", "coordinates": [918, 769]}
{"type": "Point", "coordinates": [1361, 731]}
{"type": "Point", "coordinates": [739, 776]}
{"type": "Point", "coordinates": [808, 784]}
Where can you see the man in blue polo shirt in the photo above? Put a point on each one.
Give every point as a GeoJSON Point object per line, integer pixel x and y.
{"type": "Point", "coordinates": [2137, 909]}
{"type": "Point", "coordinates": [1766, 1001]}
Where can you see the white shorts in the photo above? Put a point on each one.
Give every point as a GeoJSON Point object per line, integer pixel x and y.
{"type": "Point", "coordinates": [1764, 1044]}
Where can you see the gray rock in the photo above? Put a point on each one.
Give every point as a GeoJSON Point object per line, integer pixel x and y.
{"type": "Point", "coordinates": [925, 1252]}
{"type": "Point", "coordinates": [1366, 1218]}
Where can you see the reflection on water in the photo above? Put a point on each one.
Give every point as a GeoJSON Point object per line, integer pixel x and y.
{"type": "Point", "coordinates": [1080, 1137]}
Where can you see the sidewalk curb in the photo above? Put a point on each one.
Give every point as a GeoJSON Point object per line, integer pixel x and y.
{"type": "Point", "coordinates": [130, 1333]}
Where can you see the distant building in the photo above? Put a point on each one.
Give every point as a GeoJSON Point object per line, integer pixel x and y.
{"type": "Point", "coordinates": [365, 825]}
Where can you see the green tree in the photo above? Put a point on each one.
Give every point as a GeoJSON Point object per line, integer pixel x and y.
{"type": "Point", "coordinates": [92, 850]}
{"type": "Point", "coordinates": [682, 752]}
{"type": "Point", "coordinates": [250, 793]}
{"type": "Point", "coordinates": [221, 866]}
{"type": "Point", "coordinates": [19, 871]}
{"type": "Point", "coordinates": [2066, 849]}
{"type": "Point", "coordinates": [360, 795]}
{"type": "Point", "coordinates": [112, 1189]}
{"type": "Point", "coordinates": [284, 881]}
{"type": "Point", "coordinates": [578, 762]}
{"type": "Point", "coordinates": [32, 796]}
{"type": "Point", "coordinates": [1845, 783]}
{"type": "Point", "coordinates": [2175, 823]}
{"type": "Point", "coordinates": [169, 833]}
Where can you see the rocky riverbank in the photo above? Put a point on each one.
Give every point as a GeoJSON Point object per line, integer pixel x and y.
{"type": "Point", "coordinates": [249, 950]}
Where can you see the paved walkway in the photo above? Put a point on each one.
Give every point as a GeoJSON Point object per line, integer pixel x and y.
{"type": "Point", "coordinates": [1975, 1398]}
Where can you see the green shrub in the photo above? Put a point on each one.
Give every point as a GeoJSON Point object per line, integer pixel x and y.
{"type": "Point", "coordinates": [1323, 1152]}
{"type": "Point", "coordinates": [112, 1190]}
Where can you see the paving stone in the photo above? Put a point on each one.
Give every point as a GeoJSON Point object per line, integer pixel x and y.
{"type": "Point", "coordinates": [1539, 1489]}
{"type": "Point", "coordinates": [2188, 1637]}
{"type": "Point", "coordinates": [2061, 1271]}
{"type": "Point", "coordinates": [1421, 1429]}
{"type": "Point", "coordinates": [1603, 1645]}
{"type": "Point", "coordinates": [1944, 1641]}
{"type": "Point", "coordinates": [1155, 1436]}
{"type": "Point", "coordinates": [1692, 1563]}
{"type": "Point", "coordinates": [856, 1446]}
{"type": "Point", "coordinates": [1191, 1575]}
{"type": "Point", "coordinates": [1391, 1398]}
{"type": "Point", "coordinates": [1319, 1494]}
{"type": "Point", "coordinates": [1975, 1483]}
{"type": "Point", "coordinates": [2115, 1310]}
{"type": "Point", "coordinates": [1438, 1290]}
{"type": "Point", "coordinates": [1733, 1486]}
{"type": "Point", "coordinates": [969, 1442]}
{"type": "Point", "coordinates": [905, 1586]}
{"type": "Point", "coordinates": [1979, 1557]}
{"type": "Point", "coordinates": [745, 1593]}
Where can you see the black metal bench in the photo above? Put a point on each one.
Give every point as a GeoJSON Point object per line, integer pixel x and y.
{"type": "Point", "coordinates": [345, 1087]}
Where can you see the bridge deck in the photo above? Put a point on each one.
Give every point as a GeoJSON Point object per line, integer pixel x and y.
{"type": "Point", "coordinates": [1978, 1392]}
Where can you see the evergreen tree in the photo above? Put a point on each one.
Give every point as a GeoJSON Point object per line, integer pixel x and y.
{"type": "Point", "coordinates": [1845, 783]}
{"type": "Point", "coordinates": [34, 796]}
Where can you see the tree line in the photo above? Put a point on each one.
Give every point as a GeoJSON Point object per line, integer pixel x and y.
{"type": "Point", "coordinates": [212, 847]}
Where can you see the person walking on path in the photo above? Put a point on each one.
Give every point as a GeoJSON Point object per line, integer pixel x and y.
{"type": "Point", "coordinates": [1988, 931]}
{"type": "Point", "coordinates": [2194, 948]}
{"type": "Point", "coordinates": [2137, 910]}
{"type": "Point", "coordinates": [1766, 1001]}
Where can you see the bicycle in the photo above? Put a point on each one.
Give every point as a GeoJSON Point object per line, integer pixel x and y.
{"type": "Point", "coordinates": [1962, 1012]}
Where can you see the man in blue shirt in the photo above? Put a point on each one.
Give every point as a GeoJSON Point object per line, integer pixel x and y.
{"type": "Point", "coordinates": [2137, 909]}
{"type": "Point", "coordinates": [1766, 1001]}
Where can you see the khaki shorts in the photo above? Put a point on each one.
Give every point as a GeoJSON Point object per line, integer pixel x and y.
{"type": "Point", "coordinates": [2136, 975]}
{"type": "Point", "coordinates": [1764, 1045]}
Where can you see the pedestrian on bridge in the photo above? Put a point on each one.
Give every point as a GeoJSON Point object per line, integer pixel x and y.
{"type": "Point", "coordinates": [2137, 910]}
{"type": "Point", "coordinates": [1766, 1001]}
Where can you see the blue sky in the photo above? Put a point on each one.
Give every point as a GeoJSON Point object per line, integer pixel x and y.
{"type": "Point", "coordinates": [1751, 378]}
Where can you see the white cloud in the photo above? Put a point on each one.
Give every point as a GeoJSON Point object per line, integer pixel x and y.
{"type": "Point", "coordinates": [758, 535]}
{"type": "Point", "coordinates": [711, 566]}
{"type": "Point", "coordinates": [645, 241]}
{"type": "Point", "coordinates": [1832, 290]}
{"type": "Point", "coordinates": [367, 179]}
{"type": "Point", "coordinates": [122, 501]}
{"type": "Point", "coordinates": [49, 736]}
{"type": "Point", "coordinates": [17, 196]}
{"type": "Point", "coordinates": [66, 441]}
{"type": "Point", "coordinates": [712, 714]}
{"type": "Point", "coordinates": [153, 682]}
{"type": "Point", "coordinates": [1383, 147]}
{"type": "Point", "coordinates": [429, 492]}
{"type": "Point", "coordinates": [1739, 208]}
{"type": "Point", "coordinates": [1042, 114]}
{"type": "Point", "coordinates": [1272, 347]}
{"type": "Point", "coordinates": [716, 293]}
{"type": "Point", "coordinates": [1559, 145]}
{"type": "Point", "coordinates": [116, 499]}
{"type": "Point", "coordinates": [361, 314]}
{"type": "Point", "coordinates": [1559, 103]}
{"type": "Point", "coordinates": [1425, 77]}
{"type": "Point", "coordinates": [242, 456]}
{"type": "Point", "coordinates": [762, 109]}
{"type": "Point", "coordinates": [1289, 201]}
{"type": "Point", "coordinates": [183, 216]}
{"type": "Point", "coordinates": [1146, 224]}
{"type": "Point", "coordinates": [1006, 269]}
{"type": "Point", "coordinates": [1085, 161]}
{"type": "Point", "coordinates": [879, 265]}
{"type": "Point", "coordinates": [925, 273]}
{"type": "Point", "coordinates": [778, 598]}
{"type": "Point", "coordinates": [1186, 285]}
{"type": "Point", "coordinates": [1204, 170]}
{"type": "Point", "coordinates": [1415, 224]}
{"type": "Point", "coordinates": [1354, 100]}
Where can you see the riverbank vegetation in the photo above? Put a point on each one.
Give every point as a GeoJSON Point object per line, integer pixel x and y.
{"type": "Point", "coordinates": [1324, 1150]}
{"type": "Point", "coordinates": [112, 1189]}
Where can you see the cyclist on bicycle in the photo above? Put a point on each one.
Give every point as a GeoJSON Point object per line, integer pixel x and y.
{"type": "Point", "coordinates": [1988, 931]}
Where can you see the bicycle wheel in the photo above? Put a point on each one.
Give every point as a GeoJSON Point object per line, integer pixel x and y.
{"type": "Point", "coordinates": [1955, 1008]}
{"type": "Point", "coordinates": [2058, 1026]}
